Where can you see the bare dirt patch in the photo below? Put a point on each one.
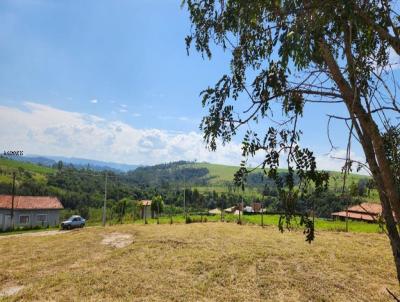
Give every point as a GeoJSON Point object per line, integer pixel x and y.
{"type": "Point", "coordinates": [117, 240]}
{"type": "Point", "coordinates": [36, 234]}
{"type": "Point", "coordinates": [11, 290]}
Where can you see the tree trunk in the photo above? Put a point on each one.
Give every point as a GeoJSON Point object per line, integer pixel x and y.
{"type": "Point", "coordinates": [393, 235]}
{"type": "Point", "coordinates": [383, 186]}
{"type": "Point", "coordinates": [372, 142]}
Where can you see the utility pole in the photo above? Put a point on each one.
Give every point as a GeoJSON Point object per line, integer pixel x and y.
{"type": "Point", "coordinates": [347, 215]}
{"type": "Point", "coordinates": [240, 206]}
{"type": "Point", "coordinates": [144, 212]}
{"type": "Point", "coordinates": [105, 202]}
{"type": "Point", "coordinates": [158, 213]}
{"type": "Point", "coordinates": [242, 210]}
{"type": "Point", "coordinates": [262, 214]}
{"type": "Point", "coordinates": [184, 201]}
{"type": "Point", "coordinates": [222, 210]}
{"type": "Point", "coordinates": [313, 213]}
{"type": "Point", "coordinates": [184, 195]}
{"type": "Point", "coordinates": [12, 202]}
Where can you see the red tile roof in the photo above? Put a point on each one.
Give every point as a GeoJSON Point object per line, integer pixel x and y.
{"type": "Point", "coordinates": [145, 203]}
{"type": "Point", "coordinates": [358, 216]}
{"type": "Point", "coordinates": [365, 207]}
{"type": "Point", "coordinates": [364, 211]}
{"type": "Point", "coordinates": [30, 202]}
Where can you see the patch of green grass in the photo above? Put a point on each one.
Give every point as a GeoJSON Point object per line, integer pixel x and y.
{"type": "Point", "coordinates": [269, 220]}
{"type": "Point", "coordinates": [221, 175]}
{"type": "Point", "coordinates": [320, 224]}
{"type": "Point", "coordinates": [6, 179]}
{"type": "Point", "coordinates": [13, 165]}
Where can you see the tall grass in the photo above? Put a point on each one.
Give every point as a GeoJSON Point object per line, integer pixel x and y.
{"type": "Point", "coordinates": [269, 220]}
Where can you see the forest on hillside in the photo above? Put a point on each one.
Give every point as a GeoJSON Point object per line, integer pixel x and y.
{"type": "Point", "coordinates": [82, 188]}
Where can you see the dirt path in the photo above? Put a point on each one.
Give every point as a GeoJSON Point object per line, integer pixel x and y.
{"type": "Point", "coordinates": [35, 234]}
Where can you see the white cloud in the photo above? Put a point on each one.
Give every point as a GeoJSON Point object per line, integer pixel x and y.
{"type": "Point", "coordinates": [122, 108]}
{"type": "Point", "coordinates": [165, 117]}
{"type": "Point", "coordinates": [170, 117]}
{"type": "Point", "coordinates": [94, 101]}
{"type": "Point", "coordinates": [40, 129]}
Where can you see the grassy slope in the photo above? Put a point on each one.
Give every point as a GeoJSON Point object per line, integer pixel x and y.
{"type": "Point", "coordinates": [269, 220]}
{"type": "Point", "coordinates": [12, 165]}
{"type": "Point", "coordinates": [38, 173]}
{"type": "Point", "coordinates": [223, 173]}
{"type": "Point", "coordinates": [198, 262]}
{"type": "Point", "coordinates": [220, 175]}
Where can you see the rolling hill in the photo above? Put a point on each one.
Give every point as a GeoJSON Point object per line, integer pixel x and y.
{"type": "Point", "coordinates": [97, 165]}
{"type": "Point", "coordinates": [220, 174]}
{"type": "Point", "coordinates": [213, 175]}
{"type": "Point", "coordinates": [206, 185]}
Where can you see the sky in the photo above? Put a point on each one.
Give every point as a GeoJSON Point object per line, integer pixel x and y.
{"type": "Point", "coordinates": [111, 81]}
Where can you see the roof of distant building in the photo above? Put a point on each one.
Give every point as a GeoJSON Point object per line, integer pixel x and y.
{"type": "Point", "coordinates": [30, 202]}
{"type": "Point", "coordinates": [145, 202]}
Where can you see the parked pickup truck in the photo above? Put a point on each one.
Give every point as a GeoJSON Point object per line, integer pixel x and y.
{"type": "Point", "coordinates": [74, 221]}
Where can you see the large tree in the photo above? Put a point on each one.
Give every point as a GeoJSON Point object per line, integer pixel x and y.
{"type": "Point", "coordinates": [296, 53]}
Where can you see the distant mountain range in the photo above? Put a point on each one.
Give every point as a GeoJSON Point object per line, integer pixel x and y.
{"type": "Point", "coordinates": [77, 162]}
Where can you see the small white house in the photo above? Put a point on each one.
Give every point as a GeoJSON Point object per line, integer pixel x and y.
{"type": "Point", "coordinates": [248, 209]}
{"type": "Point", "coordinates": [29, 211]}
{"type": "Point", "coordinates": [215, 211]}
{"type": "Point", "coordinates": [145, 209]}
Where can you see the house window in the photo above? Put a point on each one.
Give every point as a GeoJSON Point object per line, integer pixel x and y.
{"type": "Point", "coordinates": [23, 219]}
{"type": "Point", "coordinates": [41, 218]}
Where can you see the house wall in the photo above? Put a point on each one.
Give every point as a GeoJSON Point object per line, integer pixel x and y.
{"type": "Point", "coordinates": [52, 218]}
{"type": "Point", "coordinates": [146, 210]}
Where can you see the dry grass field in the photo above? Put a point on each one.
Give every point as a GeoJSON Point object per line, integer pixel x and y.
{"type": "Point", "coordinates": [195, 262]}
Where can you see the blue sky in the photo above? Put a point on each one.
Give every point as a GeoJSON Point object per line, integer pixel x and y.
{"type": "Point", "coordinates": [117, 52]}
{"type": "Point", "coordinates": [104, 79]}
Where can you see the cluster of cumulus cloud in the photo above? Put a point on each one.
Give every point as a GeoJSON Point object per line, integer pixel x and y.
{"type": "Point", "coordinates": [45, 130]}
